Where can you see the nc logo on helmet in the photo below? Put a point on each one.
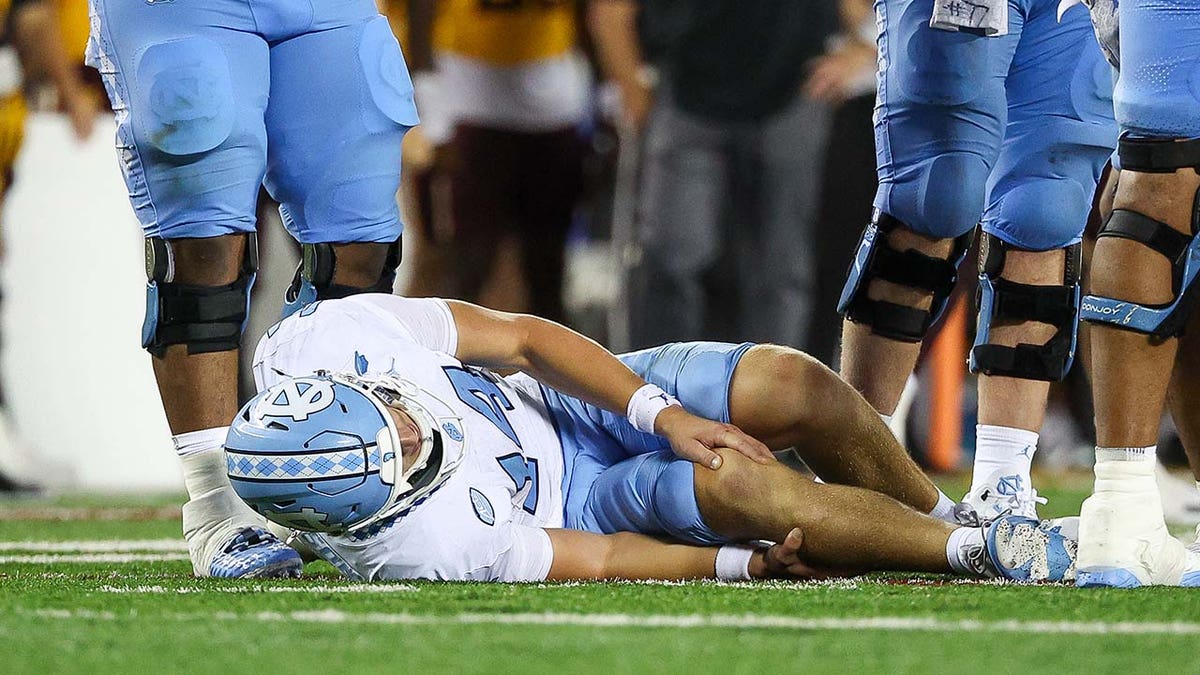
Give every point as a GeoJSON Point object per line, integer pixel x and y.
{"type": "Point", "coordinates": [296, 399]}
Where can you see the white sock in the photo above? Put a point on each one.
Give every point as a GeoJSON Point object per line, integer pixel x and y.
{"type": "Point", "coordinates": [887, 419]}
{"type": "Point", "coordinates": [944, 509]}
{"type": "Point", "coordinates": [201, 453]}
{"type": "Point", "coordinates": [1147, 455]}
{"type": "Point", "coordinates": [1004, 449]}
{"type": "Point", "coordinates": [960, 543]}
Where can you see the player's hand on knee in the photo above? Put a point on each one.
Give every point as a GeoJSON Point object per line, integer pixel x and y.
{"type": "Point", "coordinates": [694, 438]}
{"type": "Point", "coordinates": [782, 561]}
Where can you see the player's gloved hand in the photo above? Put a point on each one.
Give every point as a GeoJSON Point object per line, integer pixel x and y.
{"type": "Point", "coordinates": [693, 438]}
{"type": "Point", "coordinates": [783, 561]}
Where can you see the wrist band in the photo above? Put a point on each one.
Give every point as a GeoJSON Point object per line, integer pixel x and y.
{"type": "Point", "coordinates": [733, 562]}
{"type": "Point", "coordinates": [644, 406]}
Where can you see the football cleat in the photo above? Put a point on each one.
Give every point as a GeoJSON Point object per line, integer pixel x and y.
{"type": "Point", "coordinates": [1024, 550]}
{"type": "Point", "coordinates": [254, 553]}
{"type": "Point", "coordinates": [1002, 493]}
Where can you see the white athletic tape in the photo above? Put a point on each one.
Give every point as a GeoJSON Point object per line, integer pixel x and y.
{"type": "Point", "coordinates": [748, 621]}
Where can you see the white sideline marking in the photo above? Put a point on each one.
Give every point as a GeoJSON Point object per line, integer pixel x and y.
{"type": "Point", "coordinates": [325, 588]}
{"type": "Point", "coordinates": [886, 623]}
{"type": "Point", "coordinates": [97, 546]}
{"type": "Point", "coordinates": [57, 558]}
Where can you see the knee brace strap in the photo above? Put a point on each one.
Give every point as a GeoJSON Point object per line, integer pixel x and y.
{"type": "Point", "coordinates": [1158, 155]}
{"type": "Point", "coordinates": [314, 277]}
{"type": "Point", "coordinates": [1159, 321]}
{"type": "Point", "coordinates": [1000, 298]}
{"type": "Point", "coordinates": [205, 318]}
{"type": "Point", "coordinates": [875, 259]}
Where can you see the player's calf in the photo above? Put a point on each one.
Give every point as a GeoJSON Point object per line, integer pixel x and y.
{"type": "Point", "coordinates": [789, 399]}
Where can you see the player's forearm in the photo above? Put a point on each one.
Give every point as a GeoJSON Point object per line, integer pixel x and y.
{"type": "Point", "coordinates": [583, 556]}
{"type": "Point", "coordinates": [549, 352]}
{"type": "Point", "coordinates": [613, 26]}
{"type": "Point", "coordinates": [576, 365]}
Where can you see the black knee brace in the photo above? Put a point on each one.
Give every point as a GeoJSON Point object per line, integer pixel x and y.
{"type": "Point", "coordinates": [205, 318]}
{"type": "Point", "coordinates": [876, 260]}
{"type": "Point", "coordinates": [1000, 298]}
{"type": "Point", "coordinates": [1154, 155]}
{"type": "Point", "coordinates": [314, 277]}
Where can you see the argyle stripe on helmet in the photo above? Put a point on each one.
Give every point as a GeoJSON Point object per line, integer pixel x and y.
{"type": "Point", "coordinates": [331, 464]}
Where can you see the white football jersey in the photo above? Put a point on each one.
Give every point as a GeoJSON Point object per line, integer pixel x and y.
{"type": "Point", "coordinates": [485, 523]}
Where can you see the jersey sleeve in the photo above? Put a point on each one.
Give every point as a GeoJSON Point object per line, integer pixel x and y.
{"type": "Point", "coordinates": [527, 559]}
{"type": "Point", "coordinates": [427, 320]}
{"type": "Point", "coordinates": [352, 334]}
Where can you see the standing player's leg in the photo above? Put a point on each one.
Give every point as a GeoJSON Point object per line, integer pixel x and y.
{"type": "Point", "coordinates": [188, 84]}
{"type": "Point", "coordinates": [340, 103]}
{"type": "Point", "coordinates": [1142, 293]}
{"type": "Point", "coordinates": [1059, 135]}
{"type": "Point", "coordinates": [1184, 394]}
{"type": "Point", "coordinates": [938, 131]}
{"type": "Point", "coordinates": [682, 206]}
{"type": "Point", "coordinates": [550, 185]}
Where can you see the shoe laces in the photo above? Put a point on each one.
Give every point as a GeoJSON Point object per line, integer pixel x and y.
{"type": "Point", "coordinates": [248, 538]}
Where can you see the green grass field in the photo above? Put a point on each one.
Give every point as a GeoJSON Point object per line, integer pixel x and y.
{"type": "Point", "coordinates": [103, 585]}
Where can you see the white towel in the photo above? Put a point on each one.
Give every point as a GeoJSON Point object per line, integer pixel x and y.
{"type": "Point", "coordinates": [989, 17]}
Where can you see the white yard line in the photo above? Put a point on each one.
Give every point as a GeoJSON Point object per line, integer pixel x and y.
{"type": "Point", "coordinates": [97, 546]}
{"type": "Point", "coordinates": [60, 558]}
{"type": "Point", "coordinates": [316, 589]}
{"type": "Point", "coordinates": [893, 624]}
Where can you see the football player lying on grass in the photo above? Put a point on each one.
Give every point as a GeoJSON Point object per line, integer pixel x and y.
{"type": "Point", "coordinates": [384, 438]}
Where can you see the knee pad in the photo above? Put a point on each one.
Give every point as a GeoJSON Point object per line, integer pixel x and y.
{"type": "Point", "coordinates": [1040, 214]}
{"type": "Point", "coordinates": [187, 94]}
{"type": "Point", "coordinates": [1002, 299]}
{"type": "Point", "coordinates": [205, 318]}
{"type": "Point", "coordinates": [314, 277]}
{"type": "Point", "coordinates": [1160, 321]}
{"type": "Point", "coordinates": [876, 260]}
{"type": "Point", "coordinates": [940, 196]}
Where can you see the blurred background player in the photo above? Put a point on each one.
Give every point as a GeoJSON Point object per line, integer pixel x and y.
{"type": "Point", "coordinates": [731, 155]}
{"type": "Point", "coordinates": [511, 88]}
{"type": "Point", "coordinates": [1142, 297]}
{"type": "Point", "coordinates": [213, 101]}
{"type": "Point", "coordinates": [1006, 113]}
{"type": "Point", "coordinates": [34, 51]}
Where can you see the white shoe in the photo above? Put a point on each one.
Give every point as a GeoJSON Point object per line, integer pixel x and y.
{"type": "Point", "coordinates": [1003, 492]}
{"type": "Point", "coordinates": [1180, 499]}
{"type": "Point", "coordinates": [1123, 539]}
{"type": "Point", "coordinates": [225, 538]}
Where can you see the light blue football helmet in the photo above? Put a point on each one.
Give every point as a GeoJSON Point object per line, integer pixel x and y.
{"type": "Point", "coordinates": [321, 453]}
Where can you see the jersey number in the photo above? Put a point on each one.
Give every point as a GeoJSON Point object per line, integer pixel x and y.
{"type": "Point", "coordinates": [522, 470]}
{"type": "Point", "coordinates": [483, 396]}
